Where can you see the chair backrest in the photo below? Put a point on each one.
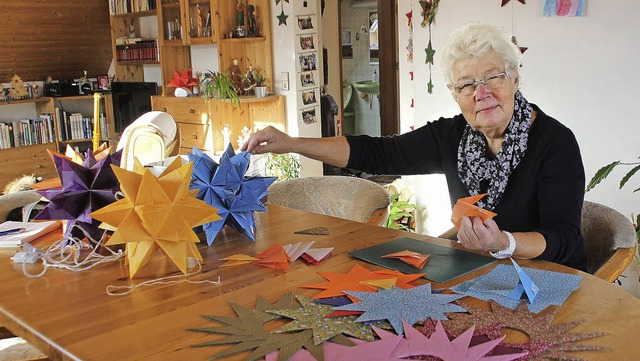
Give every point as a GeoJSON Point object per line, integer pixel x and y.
{"type": "Point", "coordinates": [350, 198]}
{"type": "Point", "coordinates": [605, 230]}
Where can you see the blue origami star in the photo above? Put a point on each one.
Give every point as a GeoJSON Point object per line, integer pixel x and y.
{"type": "Point", "coordinates": [85, 188]}
{"type": "Point", "coordinates": [396, 305]}
{"type": "Point", "coordinates": [224, 186]}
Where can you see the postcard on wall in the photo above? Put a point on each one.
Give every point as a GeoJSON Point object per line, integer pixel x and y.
{"type": "Point", "coordinates": [307, 42]}
{"type": "Point", "coordinates": [306, 24]}
{"type": "Point", "coordinates": [347, 38]}
{"type": "Point", "coordinates": [564, 8]}
{"type": "Point", "coordinates": [309, 79]}
{"type": "Point", "coordinates": [309, 97]}
{"type": "Point", "coordinates": [307, 61]}
{"type": "Point", "coordinates": [310, 115]}
{"type": "Point", "coordinates": [305, 7]}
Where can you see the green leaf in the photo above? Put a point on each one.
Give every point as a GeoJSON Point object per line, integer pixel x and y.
{"type": "Point", "coordinates": [601, 174]}
{"type": "Point", "coordinates": [625, 179]}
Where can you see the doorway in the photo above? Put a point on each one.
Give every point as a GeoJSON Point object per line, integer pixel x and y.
{"type": "Point", "coordinates": [369, 54]}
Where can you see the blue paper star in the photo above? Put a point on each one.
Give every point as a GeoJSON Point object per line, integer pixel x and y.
{"type": "Point", "coordinates": [85, 188]}
{"type": "Point", "coordinates": [396, 305]}
{"type": "Point", "coordinates": [225, 187]}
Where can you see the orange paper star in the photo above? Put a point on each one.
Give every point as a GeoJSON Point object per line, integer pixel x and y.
{"type": "Point", "coordinates": [414, 259]}
{"type": "Point", "coordinates": [156, 213]}
{"type": "Point", "coordinates": [465, 208]}
{"type": "Point", "coordinates": [183, 79]}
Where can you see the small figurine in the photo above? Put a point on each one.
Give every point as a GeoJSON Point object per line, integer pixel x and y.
{"type": "Point", "coordinates": [236, 74]}
{"type": "Point", "coordinates": [251, 21]}
{"type": "Point", "coordinates": [244, 137]}
{"type": "Point", "coordinates": [226, 136]}
{"type": "Point", "coordinates": [249, 81]}
{"type": "Point", "coordinates": [240, 7]}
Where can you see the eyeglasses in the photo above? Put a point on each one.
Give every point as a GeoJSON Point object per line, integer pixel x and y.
{"type": "Point", "coordinates": [491, 82]}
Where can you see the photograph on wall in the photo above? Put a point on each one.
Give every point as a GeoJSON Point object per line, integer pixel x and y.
{"type": "Point", "coordinates": [103, 82]}
{"type": "Point", "coordinates": [307, 42]}
{"type": "Point", "coordinates": [308, 79]}
{"type": "Point", "coordinates": [307, 62]}
{"type": "Point", "coordinates": [306, 24]}
{"type": "Point", "coordinates": [564, 8]}
{"type": "Point", "coordinates": [309, 97]}
{"type": "Point", "coordinates": [309, 116]}
{"type": "Point", "coordinates": [346, 37]}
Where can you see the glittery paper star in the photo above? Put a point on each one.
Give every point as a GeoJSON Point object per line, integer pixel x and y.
{"type": "Point", "coordinates": [381, 349]}
{"type": "Point", "coordinates": [429, 10]}
{"type": "Point", "coordinates": [430, 53]}
{"type": "Point", "coordinates": [312, 316]}
{"type": "Point", "coordinates": [505, 2]}
{"type": "Point", "coordinates": [225, 187]}
{"type": "Point", "coordinates": [396, 305]}
{"type": "Point", "coordinates": [353, 281]}
{"type": "Point", "coordinates": [156, 213]}
{"type": "Point", "coordinates": [86, 185]}
{"type": "Point", "coordinates": [282, 18]}
{"type": "Point", "coordinates": [545, 340]}
{"type": "Point", "coordinates": [430, 87]}
{"type": "Point", "coordinates": [247, 332]}
{"type": "Point", "coordinates": [183, 79]}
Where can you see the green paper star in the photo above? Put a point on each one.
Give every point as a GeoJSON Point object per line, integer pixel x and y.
{"type": "Point", "coordinates": [312, 316]}
{"type": "Point", "coordinates": [430, 53]}
{"type": "Point", "coordinates": [282, 18]}
{"type": "Point", "coordinates": [430, 87]}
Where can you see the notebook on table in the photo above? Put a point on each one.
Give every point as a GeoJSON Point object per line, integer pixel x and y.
{"type": "Point", "coordinates": [15, 234]}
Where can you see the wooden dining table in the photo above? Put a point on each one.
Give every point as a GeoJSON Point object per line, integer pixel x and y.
{"type": "Point", "coordinates": [69, 315]}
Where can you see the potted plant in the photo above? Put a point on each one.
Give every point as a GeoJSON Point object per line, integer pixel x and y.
{"type": "Point", "coordinates": [260, 87]}
{"type": "Point", "coordinates": [283, 166]}
{"type": "Point", "coordinates": [219, 86]}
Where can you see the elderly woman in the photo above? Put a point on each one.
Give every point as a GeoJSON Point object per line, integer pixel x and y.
{"type": "Point", "coordinates": [527, 163]}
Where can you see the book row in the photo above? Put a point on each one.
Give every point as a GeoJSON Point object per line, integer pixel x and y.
{"type": "Point", "coordinates": [27, 132]}
{"type": "Point", "coordinates": [144, 50]}
{"type": "Point", "coordinates": [75, 126]}
{"type": "Point", "coordinates": [118, 7]}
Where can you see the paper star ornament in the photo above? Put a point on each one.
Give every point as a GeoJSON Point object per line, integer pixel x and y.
{"type": "Point", "coordinates": [282, 18]}
{"type": "Point", "coordinates": [338, 283]}
{"type": "Point", "coordinates": [86, 185]}
{"type": "Point", "coordinates": [505, 2]}
{"type": "Point", "coordinates": [412, 305]}
{"type": "Point", "coordinates": [183, 79]}
{"type": "Point", "coordinates": [430, 52]}
{"type": "Point", "coordinates": [312, 316]}
{"type": "Point", "coordinates": [465, 207]}
{"type": "Point", "coordinates": [225, 187]}
{"type": "Point", "coordinates": [546, 341]}
{"type": "Point", "coordinates": [156, 213]}
{"type": "Point", "coordinates": [411, 258]}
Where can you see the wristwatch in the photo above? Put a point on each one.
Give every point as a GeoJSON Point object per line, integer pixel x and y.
{"type": "Point", "coordinates": [505, 253]}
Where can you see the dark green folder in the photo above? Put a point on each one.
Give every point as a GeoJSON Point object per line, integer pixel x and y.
{"type": "Point", "coordinates": [444, 264]}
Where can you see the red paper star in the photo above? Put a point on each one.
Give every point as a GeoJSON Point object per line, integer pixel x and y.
{"type": "Point", "coordinates": [504, 2]}
{"type": "Point", "coordinates": [411, 74]}
{"type": "Point", "coordinates": [409, 16]}
{"type": "Point", "coordinates": [183, 80]}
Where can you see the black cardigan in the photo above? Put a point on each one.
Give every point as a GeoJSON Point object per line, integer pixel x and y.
{"type": "Point", "coordinates": [544, 193]}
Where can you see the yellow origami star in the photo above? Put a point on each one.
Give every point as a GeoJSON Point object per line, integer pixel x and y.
{"type": "Point", "coordinates": [156, 212]}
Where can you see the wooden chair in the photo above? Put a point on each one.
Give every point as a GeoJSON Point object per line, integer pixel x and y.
{"type": "Point", "coordinates": [609, 239]}
{"type": "Point", "coordinates": [350, 198]}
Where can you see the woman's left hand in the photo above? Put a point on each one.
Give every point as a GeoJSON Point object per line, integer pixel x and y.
{"type": "Point", "coordinates": [483, 236]}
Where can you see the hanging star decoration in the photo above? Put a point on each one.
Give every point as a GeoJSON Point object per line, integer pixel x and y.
{"type": "Point", "coordinates": [505, 2]}
{"type": "Point", "coordinates": [522, 48]}
{"type": "Point", "coordinates": [312, 316]}
{"type": "Point", "coordinates": [546, 341]}
{"type": "Point", "coordinates": [396, 305]}
{"type": "Point", "coordinates": [183, 79]}
{"type": "Point", "coordinates": [85, 185]}
{"type": "Point", "coordinates": [226, 188]}
{"type": "Point", "coordinates": [156, 213]}
{"type": "Point", "coordinates": [429, 10]}
{"type": "Point", "coordinates": [282, 18]}
{"type": "Point", "coordinates": [409, 46]}
{"type": "Point", "coordinates": [247, 332]}
{"type": "Point", "coordinates": [429, 53]}
{"type": "Point", "coordinates": [356, 280]}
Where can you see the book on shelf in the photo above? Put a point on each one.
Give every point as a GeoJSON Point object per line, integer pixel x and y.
{"type": "Point", "coordinates": [137, 51]}
{"type": "Point", "coordinates": [27, 132]}
{"type": "Point", "coordinates": [15, 234]}
{"type": "Point", "coordinates": [119, 7]}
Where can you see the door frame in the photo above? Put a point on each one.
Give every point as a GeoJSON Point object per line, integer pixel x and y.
{"type": "Point", "coordinates": [389, 95]}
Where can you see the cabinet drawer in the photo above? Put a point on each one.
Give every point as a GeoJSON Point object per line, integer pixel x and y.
{"type": "Point", "coordinates": [198, 135]}
{"type": "Point", "coordinates": [183, 110]}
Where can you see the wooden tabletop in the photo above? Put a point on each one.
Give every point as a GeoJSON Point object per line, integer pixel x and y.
{"type": "Point", "coordinates": [69, 315]}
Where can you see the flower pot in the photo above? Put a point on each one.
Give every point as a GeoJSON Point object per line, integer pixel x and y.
{"type": "Point", "coordinates": [261, 91]}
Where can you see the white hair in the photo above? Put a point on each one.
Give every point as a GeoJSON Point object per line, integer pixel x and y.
{"type": "Point", "coordinates": [476, 39]}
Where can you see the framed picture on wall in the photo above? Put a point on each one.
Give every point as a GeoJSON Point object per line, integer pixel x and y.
{"type": "Point", "coordinates": [310, 115]}
{"type": "Point", "coordinates": [346, 37]}
{"type": "Point", "coordinates": [307, 62]}
{"type": "Point", "coordinates": [103, 82]}
{"type": "Point", "coordinates": [306, 24]}
{"type": "Point", "coordinates": [309, 79]}
{"type": "Point", "coordinates": [307, 42]}
{"type": "Point", "coordinates": [309, 97]}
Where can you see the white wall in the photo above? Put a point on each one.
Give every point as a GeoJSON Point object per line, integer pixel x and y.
{"type": "Point", "coordinates": [581, 70]}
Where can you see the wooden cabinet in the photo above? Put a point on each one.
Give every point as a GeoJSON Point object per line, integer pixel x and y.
{"type": "Point", "coordinates": [121, 26]}
{"type": "Point", "coordinates": [201, 121]}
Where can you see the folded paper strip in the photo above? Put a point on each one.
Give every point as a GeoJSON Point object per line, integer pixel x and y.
{"type": "Point", "coordinates": [465, 207]}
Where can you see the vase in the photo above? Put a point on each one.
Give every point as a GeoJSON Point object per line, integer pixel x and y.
{"type": "Point", "coordinates": [261, 91]}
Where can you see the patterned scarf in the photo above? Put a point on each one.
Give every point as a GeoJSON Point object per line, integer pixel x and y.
{"type": "Point", "coordinates": [475, 168]}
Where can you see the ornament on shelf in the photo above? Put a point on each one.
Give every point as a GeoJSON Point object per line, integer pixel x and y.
{"type": "Point", "coordinates": [226, 134]}
{"type": "Point", "coordinates": [245, 134]}
{"type": "Point", "coordinates": [16, 89]}
{"type": "Point", "coordinates": [183, 79]}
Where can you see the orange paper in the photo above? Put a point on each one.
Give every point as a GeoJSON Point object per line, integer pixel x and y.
{"type": "Point", "coordinates": [274, 257]}
{"type": "Point", "coordinates": [465, 207]}
{"type": "Point", "coordinates": [414, 259]}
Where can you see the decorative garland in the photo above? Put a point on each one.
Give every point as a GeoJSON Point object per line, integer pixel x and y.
{"type": "Point", "coordinates": [282, 18]}
{"type": "Point", "coordinates": [429, 10]}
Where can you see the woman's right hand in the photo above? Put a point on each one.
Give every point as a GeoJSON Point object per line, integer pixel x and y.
{"type": "Point", "coordinates": [268, 140]}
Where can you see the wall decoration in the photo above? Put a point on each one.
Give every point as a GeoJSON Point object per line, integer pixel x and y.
{"type": "Point", "coordinates": [309, 97]}
{"type": "Point", "coordinates": [347, 39]}
{"type": "Point", "coordinates": [564, 7]}
{"type": "Point", "coordinates": [410, 41]}
{"type": "Point", "coordinates": [306, 23]}
{"type": "Point", "coordinates": [307, 62]}
{"type": "Point", "coordinates": [504, 2]}
{"type": "Point", "coordinates": [429, 10]}
{"type": "Point", "coordinates": [310, 116]}
{"type": "Point", "coordinates": [308, 79]}
{"type": "Point", "coordinates": [282, 18]}
{"type": "Point", "coordinates": [307, 42]}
